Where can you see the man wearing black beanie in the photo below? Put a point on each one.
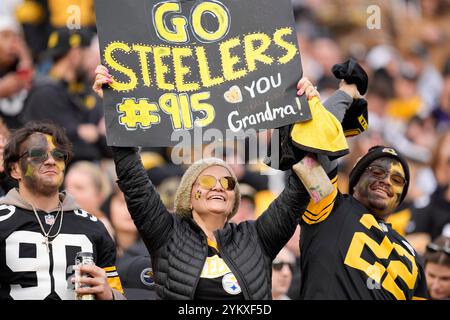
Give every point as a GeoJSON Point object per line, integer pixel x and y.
{"type": "Point", "coordinates": [348, 251]}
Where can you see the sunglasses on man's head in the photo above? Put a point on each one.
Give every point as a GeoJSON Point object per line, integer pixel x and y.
{"type": "Point", "coordinates": [432, 247]}
{"type": "Point", "coordinates": [380, 173]}
{"type": "Point", "coordinates": [208, 182]}
{"type": "Point", "coordinates": [277, 266]}
{"type": "Point", "coordinates": [41, 154]}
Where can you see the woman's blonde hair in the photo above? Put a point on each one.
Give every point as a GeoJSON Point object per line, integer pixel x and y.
{"type": "Point", "coordinates": [95, 172]}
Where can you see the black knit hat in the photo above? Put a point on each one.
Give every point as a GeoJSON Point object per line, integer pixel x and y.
{"type": "Point", "coordinates": [62, 40]}
{"type": "Point", "coordinates": [356, 119]}
{"type": "Point", "coordinates": [352, 73]}
{"type": "Point", "coordinates": [373, 154]}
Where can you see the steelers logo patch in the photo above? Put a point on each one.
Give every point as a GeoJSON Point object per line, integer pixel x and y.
{"type": "Point", "coordinates": [391, 151]}
{"type": "Point", "coordinates": [147, 277]}
{"type": "Point", "coordinates": [230, 284]}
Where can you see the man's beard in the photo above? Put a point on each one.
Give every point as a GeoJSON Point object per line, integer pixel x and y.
{"type": "Point", "coordinates": [36, 186]}
{"type": "Point", "coordinates": [382, 209]}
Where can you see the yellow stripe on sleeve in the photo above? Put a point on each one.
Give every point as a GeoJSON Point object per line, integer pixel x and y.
{"type": "Point", "coordinates": [109, 269]}
{"type": "Point", "coordinates": [113, 279]}
{"type": "Point", "coordinates": [115, 284]}
{"type": "Point", "coordinates": [318, 212]}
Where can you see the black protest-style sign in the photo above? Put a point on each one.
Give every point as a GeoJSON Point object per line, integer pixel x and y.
{"type": "Point", "coordinates": [230, 65]}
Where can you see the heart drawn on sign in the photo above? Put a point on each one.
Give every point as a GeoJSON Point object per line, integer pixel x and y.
{"type": "Point", "coordinates": [233, 95]}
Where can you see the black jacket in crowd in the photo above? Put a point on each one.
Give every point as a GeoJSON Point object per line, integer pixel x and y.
{"type": "Point", "coordinates": [434, 219]}
{"type": "Point", "coordinates": [53, 100]}
{"type": "Point", "coordinates": [178, 247]}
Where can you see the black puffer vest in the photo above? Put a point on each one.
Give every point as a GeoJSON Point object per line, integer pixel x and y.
{"type": "Point", "coordinates": [178, 247]}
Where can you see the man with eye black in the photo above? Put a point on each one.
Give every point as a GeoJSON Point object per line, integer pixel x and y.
{"type": "Point", "coordinates": [348, 249]}
{"type": "Point", "coordinates": [42, 229]}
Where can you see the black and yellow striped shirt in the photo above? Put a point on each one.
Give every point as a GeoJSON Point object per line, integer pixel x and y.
{"type": "Point", "coordinates": [346, 253]}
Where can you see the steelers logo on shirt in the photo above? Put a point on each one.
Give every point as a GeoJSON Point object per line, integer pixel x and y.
{"type": "Point", "coordinates": [230, 284]}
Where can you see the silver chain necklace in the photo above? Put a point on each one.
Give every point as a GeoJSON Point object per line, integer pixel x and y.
{"type": "Point", "coordinates": [48, 238]}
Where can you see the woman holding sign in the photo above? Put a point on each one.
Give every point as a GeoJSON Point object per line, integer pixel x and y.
{"type": "Point", "coordinates": [196, 252]}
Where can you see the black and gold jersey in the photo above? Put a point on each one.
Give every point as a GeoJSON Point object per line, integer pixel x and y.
{"type": "Point", "coordinates": [31, 271]}
{"type": "Point", "coordinates": [217, 282]}
{"type": "Point", "coordinates": [346, 253]}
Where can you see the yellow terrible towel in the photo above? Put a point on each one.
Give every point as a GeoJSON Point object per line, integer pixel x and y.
{"type": "Point", "coordinates": [323, 134]}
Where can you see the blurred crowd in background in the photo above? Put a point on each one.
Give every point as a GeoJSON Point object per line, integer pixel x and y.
{"type": "Point", "coordinates": [47, 70]}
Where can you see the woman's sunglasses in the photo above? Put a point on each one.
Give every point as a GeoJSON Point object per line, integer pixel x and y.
{"type": "Point", "coordinates": [208, 182]}
{"type": "Point", "coordinates": [41, 154]}
{"type": "Point", "coordinates": [279, 265]}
